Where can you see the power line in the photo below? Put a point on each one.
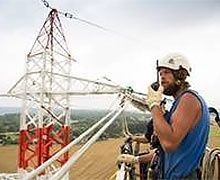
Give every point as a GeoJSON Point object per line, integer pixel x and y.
{"type": "Point", "coordinates": [71, 16]}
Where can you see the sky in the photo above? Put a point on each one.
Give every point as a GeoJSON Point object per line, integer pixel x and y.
{"type": "Point", "coordinates": [142, 31]}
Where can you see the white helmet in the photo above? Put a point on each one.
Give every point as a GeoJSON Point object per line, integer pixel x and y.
{"type": "Point", "coordinates": [175, 61]}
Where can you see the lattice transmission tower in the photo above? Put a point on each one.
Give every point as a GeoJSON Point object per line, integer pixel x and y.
{"type": "Point", "coordinates": [44, 123]}
{"type": "Point", "coordinates": [45, 90]}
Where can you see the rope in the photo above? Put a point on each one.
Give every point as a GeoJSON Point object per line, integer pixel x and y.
{"type": "Point", "coordinates": [211, 165]}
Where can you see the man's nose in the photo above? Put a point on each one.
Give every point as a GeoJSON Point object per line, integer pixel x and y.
{"type": "Point", "coordinates": [162, 77]}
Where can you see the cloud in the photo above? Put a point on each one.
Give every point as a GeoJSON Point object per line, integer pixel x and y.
{"type": "Point", "coordinates": [143, 31]}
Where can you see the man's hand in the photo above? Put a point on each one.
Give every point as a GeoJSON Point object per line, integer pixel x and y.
{"type": "Point", "coordinates": [154, 97]}
{"type": "Point", "coordinates": [127, 158]}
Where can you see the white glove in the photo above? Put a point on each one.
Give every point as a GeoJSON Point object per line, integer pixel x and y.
{"type": "Point", "coordinates": [127, 158]}
{"type": "Point", "coordinates": [154, 98]}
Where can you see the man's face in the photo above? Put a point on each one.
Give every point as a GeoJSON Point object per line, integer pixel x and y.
{"type": "Point", "coordinates": [168, 82]}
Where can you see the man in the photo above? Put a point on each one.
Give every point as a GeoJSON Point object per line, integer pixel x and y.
{"type": "Point", "coordinates": [183, 133]}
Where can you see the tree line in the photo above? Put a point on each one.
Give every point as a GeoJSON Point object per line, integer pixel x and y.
{"type": "Point", "coordinates": [81, 120]}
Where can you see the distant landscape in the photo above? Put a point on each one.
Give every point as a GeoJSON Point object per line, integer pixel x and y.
{"type": "Point", "coordinates": [81, 120]}
{"type": "Point", "coordinates": [9, 110]}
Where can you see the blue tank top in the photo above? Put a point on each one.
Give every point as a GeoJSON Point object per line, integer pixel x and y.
{"type": "Point", "coordinates": [186, 158]}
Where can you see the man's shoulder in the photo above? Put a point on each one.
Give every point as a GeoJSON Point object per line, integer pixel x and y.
{"type": "Point", "coordinates": [191, 99]}
{"type": "Point", "coordinates": [190, 95]}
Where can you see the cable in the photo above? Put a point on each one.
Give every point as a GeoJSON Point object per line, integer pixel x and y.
{"type": "Point", "coordinates": [43, 166]}
{"type": "Point", "coordinates": [71, 16]}
{"type": "Point", "coordinates": [66, 167]}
